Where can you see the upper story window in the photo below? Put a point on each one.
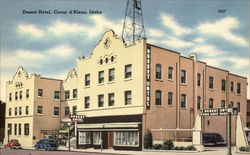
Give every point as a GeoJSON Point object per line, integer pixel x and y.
{"type": "Point", "coordinates": [26, 129]}
{"type": "Point", "coordinates": [10, 96]}
{"type": "Point", "coordinates": [170, 73]}
{"type": "Point", "coordinates": [231, 104]}
{"type": "Point", "coordinates": [40, 92]}
{"type": "Point", "coordinates": [101, 61]}
{"type": "Point", "coordinates": [20, 95]}
{"type": "Point", "coordinates": [198, 102]}
{"type": "Point", "coordinates": [158, 71]}
{"type": "Point", "coordinates": [183, 77]}
{"type": "Point", "coordinates": [223, 103]}
{"type": "Point", "coordinates": [211, 82]}
{"type": "Point", "coordinates": [87, 79]}
{"type": "Point", "coordinates": [101, 77]}
{"type": "Point", "coordinates": [158, 97]}
{"type": "Point", "coordinates": [128, 97]}
{"type": "Point", "coordinates": [74, 93]}
{"type": "Point", "coordinates": [39, 109]}
{"type": "Point", "coordinates": [20, 110]}
{"type": "Point", "coordinates": [16, 95]}
{"type": "Point", "coordinates": [211, 103]}
{"type": "Point", "coordinates": [170, 98]}
{"type": "Point", "coordinates": [232, 86]}
{"type": "Point", "coordinates": [56, 111]}
{"type": "Point", "coordinates": [183, 100]}
{"type": "Point", "coordinates": [128, 71]}
{"type": "Point", "coordinates": [198, 79]}
{"type": "Point", "coordinates": [111, 74]}
{"type": "Point", "coordinates": [74, 110]}
{"type": "Point", "coordinates": [66, 94]}
{"type": "Point", "coordinates": [26, 110]}
{"type": "Point", "coordinates": [106, 60]}
{"type": "Point", "coordinates": [15, 111]}
{"type": "Point", "coordinates": [111, 99]}
{"type": "Point", "coordinates": [57, 95]}
{"type": "Point", "coordinates": [238, 106]}
{"type": "Point", "coordinates": [112, 58]}
{"type": "Point", "coordinates": [238, 88]}
{"type": "Point", "coordinates": [86, 102]}
{"type": "Point", "coordinates": [223, 85]}
{"type": "Point", "coordinates": [27, 93]}
{"type": "Point", "coordinates": [100, 100]}
{"type": "Point", "coordinates": [9, 111]}
{"type": "Point", "coordinates": [66, 111]}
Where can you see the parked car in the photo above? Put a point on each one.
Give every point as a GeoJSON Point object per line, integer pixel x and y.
{"type": "Point", "coordinates": [47, 144]}
{"type": "Point", "coordinates": [212, 139]}
{"type": "Point", "coordinates": [13, 144]}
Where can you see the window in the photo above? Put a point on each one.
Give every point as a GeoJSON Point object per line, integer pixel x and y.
{"type": "Point", "coordinates": [40, 92]}
{"type": "Point", "coordinates": [27, 93]}
{"type": "Point", "coordinates": [128, 97]}
{"type": "Point", "coordinates": [15, 111]}
{"type": "Point", "coordinates": [211, 82]}
{"type": "Point", "coordinates": [231, 104]}
{"type": "Point", "coordinates": [100, 100]}
{"type": "Point", "coordinates": [101, 77]}
{"type": "Point", "coordinates": [128, 71]}
{"type": "Point", "coordinates": [9, 111]}
{"type": "Point", "coordinates": [66, 111]}
{"type": "Point", "coordinates": [10, 128]}
{"type": "Point", "coordinates": [223, 103]}
{"type": "Point", "coordinates": [27, 110]}
{"type": "Point", "coordinates": [56, 111]}
{"type": "Point", "coordinates": [26, 129]}
{"type": "Point", "coordinates": [84, 137]}
{"type": "Point", "coordinates": [101, 61]}
{"type": "Point", "coordinates": [238, 106]}
{"type": "Point", "coordinates": [198, 102]}
{"type": "Point", "coordinates": [20, 110]}
{"type": "Point", "coordinates": [86, 102]}
{"type": "Point", "coordinates": [112, 58]}
{"type": "Point", "coordinates": [66, 94]}
{"type": "Point", "coordinates": [170, 98]}
{"type": "Point", "coordinates": [111, 74]}
{"type": "Point", "coordinates": [223, 85]}
{"type": "Point", "coordinates": [39, 109]}
{"type": "Point", "coordinates": [170, 73]}
{"type": "Point", "coordinates": [57, 95]}
{"type": "Point", "coordinates": [198, 79]}
{"type": "Point", "coordinates": [211, 103]}
{"type": "Point", "coordinates": [183, 77]}
{"type": "Point", "coordinates": [87, 79]}
{"type": "Point", "coordinates": [74, 93]}
{"type": "Point", "coordinates": [106, 60]}
{"type": "Point", "coordinates": [232, 86]}
{"type": "Point", "coordinates": [97, 137]}
{"type": "Point", "coordinates": [158, 96]}
{"type": "Point", "coordinates": [15, 129]}
{"type": "Point", "coordinates": [16, 95]}
{"type": "Point", "coordinates": [183, 100]}
{"type": "Point", "coordinates": [158, 71]}
{"type": "Point", "coordinates": [10, 96]}
{"type": "Point", "coordinates": [19, 129]}
{"type": "Point", "coordinates": [74, 110]}
{"type": "Point", "coordinates": [126, 138]}
{"type": "Point", "coordinates": [111, 99]}
{"type": "Point", "coordinates": [21, 95]}
{"type": "Point", "coordinates": [238, 88]}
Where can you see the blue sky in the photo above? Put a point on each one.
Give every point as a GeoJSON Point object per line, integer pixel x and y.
{"type": "Point", "coordinates": [48, 44]}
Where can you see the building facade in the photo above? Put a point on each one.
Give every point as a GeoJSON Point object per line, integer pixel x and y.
{"type": "Point", "coordinates": [2, 120]}
{"type": "Point", "coordinates": [32, 111]}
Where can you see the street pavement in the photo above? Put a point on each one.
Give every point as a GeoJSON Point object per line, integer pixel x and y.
{"type": "Point", "coordinates": [64, 151]}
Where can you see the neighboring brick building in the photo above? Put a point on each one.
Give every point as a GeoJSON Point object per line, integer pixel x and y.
{"type": "Point", "coordinates": [248, 113]}
{"type": "Point", "coordinates": [2, 120]}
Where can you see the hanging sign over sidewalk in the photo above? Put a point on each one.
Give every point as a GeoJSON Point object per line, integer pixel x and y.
{"type": "Point", "coordinates": [219, 111]}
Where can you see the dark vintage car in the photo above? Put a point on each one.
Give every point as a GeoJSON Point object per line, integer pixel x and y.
{"type": "Point", "coordinates": [47, 144]}
{"type": "Point", "coordinates": [212, 139]}
{"type": "Point", "coordinates": [13, 144]}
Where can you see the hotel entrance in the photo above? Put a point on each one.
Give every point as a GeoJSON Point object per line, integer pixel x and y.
{"type": "Point", "coordinates": [110, 140]}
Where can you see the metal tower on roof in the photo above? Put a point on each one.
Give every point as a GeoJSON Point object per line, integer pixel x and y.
{"type": "Point", "coordinates": [133, 26]}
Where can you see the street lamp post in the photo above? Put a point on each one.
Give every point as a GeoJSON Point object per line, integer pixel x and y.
{"type": "Point", "coordinates": [69, 124]}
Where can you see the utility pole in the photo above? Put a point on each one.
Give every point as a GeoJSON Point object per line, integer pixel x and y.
{"type": "Point", "coordinates": [133, 26]}
{"type": "Point", "coordinates": [229, 151]}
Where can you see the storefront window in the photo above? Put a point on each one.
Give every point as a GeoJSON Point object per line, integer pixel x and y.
{"type": "Point", "coordinates": [84, 137]}
{"type": "Point", "coordinates": [127, 138]}
{"type": "Point", "coordinates": [97, 137]}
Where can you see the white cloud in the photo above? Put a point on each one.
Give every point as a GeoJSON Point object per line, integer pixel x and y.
{"type": "Point", "coordinates": [171, 23]}
{"type": "Point", "coordinates": [26, 54]}
{"type": "Point", "coordinates": [223, 29]}
{"type": "Point", "coordinates": [199, 40]}
{"type": "Point", "coordinates": [30, 29]}
{"type": "Point", "coordinates": [176, 43]}
{"type": "Point", "coordinates": [207, 50]}
{"type": "Point", "coordinates": [155, 33]}
{"type": "Point", "coordinates": [61, 50]}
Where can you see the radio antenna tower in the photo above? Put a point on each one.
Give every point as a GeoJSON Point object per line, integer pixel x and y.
{"type": "Point", "coordinates": [133, 26]}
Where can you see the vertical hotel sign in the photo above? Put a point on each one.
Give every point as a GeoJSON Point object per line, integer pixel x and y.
{"type": "Point", "coordinates": [148, 72]}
